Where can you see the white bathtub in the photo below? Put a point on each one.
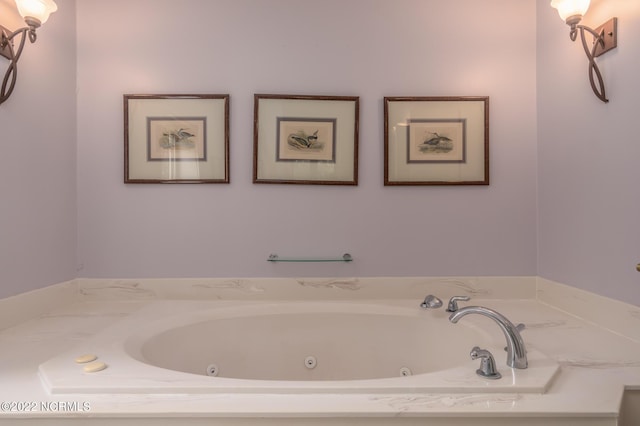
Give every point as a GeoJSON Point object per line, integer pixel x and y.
{"type": "Point", "coordinates": [292, 347]}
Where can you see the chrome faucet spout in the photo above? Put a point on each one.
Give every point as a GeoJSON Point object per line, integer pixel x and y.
{"type": "Point", "coordinates": [516, 351]}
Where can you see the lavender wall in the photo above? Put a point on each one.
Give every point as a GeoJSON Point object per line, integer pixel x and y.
{"type": "Point", "coordinates": [588, 156]}
{"type": "Point", "coordinates": [38, 170]}
{"type": "Point", "coordinates": [368, 48]}
{"type": "Point", "coordinates": [583, 153]}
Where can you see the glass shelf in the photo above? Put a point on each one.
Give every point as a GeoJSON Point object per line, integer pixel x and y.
{"type": "Point", "coordinates": [275, 258]}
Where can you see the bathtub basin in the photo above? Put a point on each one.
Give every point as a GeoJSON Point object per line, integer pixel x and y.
{"type": "Point", "coordinates": [293, 347]}
{"type": "Point", "coordinates": [308, 343]}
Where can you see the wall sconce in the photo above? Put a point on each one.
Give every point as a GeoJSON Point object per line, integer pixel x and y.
{"type": "Point", "coordinates": [34, 13]}
{"type": "Point", "coordinates": [605, 38]}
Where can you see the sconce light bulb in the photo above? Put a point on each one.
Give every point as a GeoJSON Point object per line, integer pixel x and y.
{"type": "Point", "coordinates": [36, 11]}
{"type": "Point", "coordinates": [571, 11]}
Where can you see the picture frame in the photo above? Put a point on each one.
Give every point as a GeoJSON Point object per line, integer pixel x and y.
{"type": "Point", "coordinates": [176, 138]}
{"type": "Point", "coordinates": [436, 140]}
{"type": "Point", "coordinates": [310, 140]}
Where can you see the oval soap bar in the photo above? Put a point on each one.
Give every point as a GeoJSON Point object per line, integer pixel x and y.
{"type": "Point", "coordinates": [86, 358]}
{"type": "Point", "coordinates": [94, 367]}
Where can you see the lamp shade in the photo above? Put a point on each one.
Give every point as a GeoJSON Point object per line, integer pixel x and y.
{"type": "Point", "coordinates": [38, 9]}
{"type": "Point", "coordinates": [568, 8]}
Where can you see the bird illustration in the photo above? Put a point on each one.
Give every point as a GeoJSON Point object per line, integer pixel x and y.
{"type": "Point", "coordinates": [302, 140]}
{"type": "Point", "coordinates": [183, 134]}
{"type": "Point", "coordinates": [436, 139]}
{"type": "Point", "coordinates": [175, 138]}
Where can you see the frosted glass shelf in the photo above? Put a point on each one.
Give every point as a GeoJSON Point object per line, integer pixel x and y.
{"type": "Point", "coordinates": [275, 258]}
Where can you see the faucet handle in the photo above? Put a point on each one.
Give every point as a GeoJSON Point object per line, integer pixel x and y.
{"type": "Point", "coordinates": [431, 302]}
{"type": "Point", "coordinates": [487, 363]}
{"type": "Point", "coordinates": [453, 302]}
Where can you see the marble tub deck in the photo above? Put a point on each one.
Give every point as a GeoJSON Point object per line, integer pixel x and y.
{"type": "Point", "coordinates": [598, 353]}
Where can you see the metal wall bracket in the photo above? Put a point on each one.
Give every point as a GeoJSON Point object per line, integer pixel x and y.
{"type": "Point", "coordinates": [609, 35]}
{"type": "Point", "coordinates": [4, 42]}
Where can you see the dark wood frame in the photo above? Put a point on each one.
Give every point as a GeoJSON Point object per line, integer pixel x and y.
{"type": "Point", "coordinates": [485, 178]}
{"type": "Point", "coordinates": [256, 139]}
{"type": "Point", "coordinates": [127, 142]}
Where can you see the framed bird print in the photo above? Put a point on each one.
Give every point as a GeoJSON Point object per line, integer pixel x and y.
{"type": "Point", "coordinates": [176, 138]}
{"type": "Point", "coordinates": [309, 140]}
{"type": "Point", "coordinates": [436, 140]}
